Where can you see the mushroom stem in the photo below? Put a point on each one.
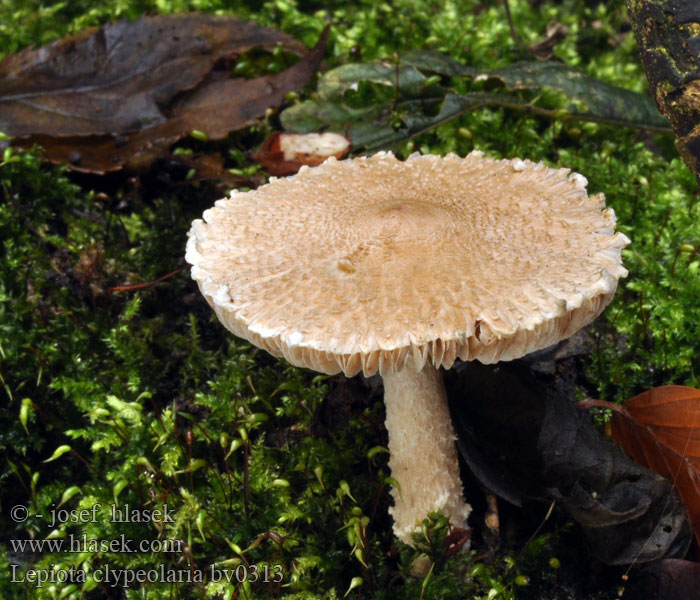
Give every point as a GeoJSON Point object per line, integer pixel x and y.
{"type": "Point", "coordinates": [422, 446]}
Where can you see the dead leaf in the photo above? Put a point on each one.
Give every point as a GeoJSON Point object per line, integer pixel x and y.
{"type": "Point", "coordinates": [120, 77]}
{"type": "Point", "coordinates": [629, 514]}
{"type": "Point", "coordinates": [102, 114]}
{"type": "Point", "coordinates": [668, 579]}
{"type": "Point", "coordinates": [522, 437]}
{"type": "Point", "coordinates": [286, 153]}
{"type": "Point", "coordinates": [221, 104]}
{"type": "Point", "coordinates": [544, 49]}
{"type": "Point", "coordinates": [660, 429]}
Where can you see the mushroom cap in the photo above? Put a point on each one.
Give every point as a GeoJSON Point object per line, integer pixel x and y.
{"type": "Point", "coordinates": [359, 265]}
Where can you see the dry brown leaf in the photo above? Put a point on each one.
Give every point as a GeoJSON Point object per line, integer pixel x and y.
{"type": "Point", "coordinates": [149, 84]}
{"type": "Point", "coordinates": [118, 78]}
{"type": "Point", "coordinates": [660, 429]}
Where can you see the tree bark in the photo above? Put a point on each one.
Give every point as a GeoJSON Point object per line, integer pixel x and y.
{"type": "Point", "coordinates": [668, 36]}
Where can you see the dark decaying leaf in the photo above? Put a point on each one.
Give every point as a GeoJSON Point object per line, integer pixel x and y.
{"type": "Point", "coordinates": [661, 430]}
{"type": "Point", "coordinates": [523, 438]}
{"type": "Point", "coordinates": [120, 77]}
{"type": "Point", "coordinates": [628, 513]}
{"type": "Point", "coordinates": [668, 37]}
{"type": "Point", "coordinates": [221, 104]}
{"type": "Point", "coordinates": [669, 579]}
{"type": "Point", "coordinates": [413, 102]}
{"type": "Point", "coordinates": [207, 100]}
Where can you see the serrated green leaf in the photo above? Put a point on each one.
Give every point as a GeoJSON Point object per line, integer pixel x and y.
{"type": "Point", "coordinates": [604, 101]}
{"type": "Point", "coordinates": [411, 106]}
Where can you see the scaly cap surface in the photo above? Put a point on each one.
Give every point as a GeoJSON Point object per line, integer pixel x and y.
{"type": "Point", "coordinates": [356, 265]}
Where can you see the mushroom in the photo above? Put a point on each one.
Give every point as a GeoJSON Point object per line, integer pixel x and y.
{"type": "Point", "coordinates": [376, 265]}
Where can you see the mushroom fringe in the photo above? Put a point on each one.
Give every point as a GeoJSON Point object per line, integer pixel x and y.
{"type": "Point", "coordinates": [487, 347]}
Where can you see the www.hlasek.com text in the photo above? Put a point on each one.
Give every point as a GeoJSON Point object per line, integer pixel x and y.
{"type": "Point", "coordinates": [75, 544]}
